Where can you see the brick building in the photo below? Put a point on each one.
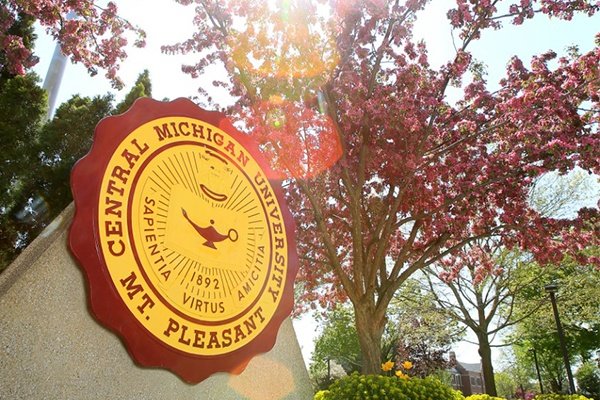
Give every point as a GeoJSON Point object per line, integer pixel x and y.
{"type": "Point", "coordinates": [466, 377]}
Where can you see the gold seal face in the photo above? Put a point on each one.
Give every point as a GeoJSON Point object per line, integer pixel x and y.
{"type": "Point", "coordinates": [192, 236]}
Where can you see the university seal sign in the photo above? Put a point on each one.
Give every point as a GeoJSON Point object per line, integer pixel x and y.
{"type": "Point", "coordinates": [187, 245]}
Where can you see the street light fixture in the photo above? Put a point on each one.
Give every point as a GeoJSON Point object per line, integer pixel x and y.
{"type": "Point", "coordinates": [552, 289]}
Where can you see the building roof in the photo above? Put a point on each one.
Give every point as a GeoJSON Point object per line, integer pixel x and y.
{"type": "Point", "coordinates": [469, 367]}
{"type": "Point", "coordinates": [472, 367]}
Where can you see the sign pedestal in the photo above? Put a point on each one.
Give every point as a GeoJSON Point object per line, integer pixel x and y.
{"type": "Point", "coordinates": [52, 348]}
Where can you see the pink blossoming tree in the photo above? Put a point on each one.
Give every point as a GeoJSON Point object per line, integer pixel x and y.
{"type": "Point", "coordinates": [89, 34]}
{"type": "Point", "coordinates": [386, 176]}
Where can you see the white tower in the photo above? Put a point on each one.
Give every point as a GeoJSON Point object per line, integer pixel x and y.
{"type": "Point", "coordinates": [56, 70]}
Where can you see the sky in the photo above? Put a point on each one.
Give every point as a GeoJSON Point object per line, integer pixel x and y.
{"type": "Point", "coordinates": [167, 22]}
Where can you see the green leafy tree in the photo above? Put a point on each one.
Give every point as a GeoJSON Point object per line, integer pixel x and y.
{"type": "Point", "coordinates": [578, 301]}
{"type": "Point", "coordinates": [484, 301]}
{"type": "Point", "coordinates": [34, 178]}
{"type": "Point", "coordinates": [516, 375]}
{"type": "Point", "coordinates": [416, 331]}
{"type": "Point", "coordinates": [489, 281]}
{"type": "Point", "coordinates": [63, 141]}
{"type": "Point", "coordinates": [142, 88]}
{"type": "Point", "coordinates": [22, 108]}
{"type": "Point", "coordinates": [588, 379]}
{"type": "Point", "coordinates": [69, 135]}
{"type": "Point", "coordinates": [421, 331]}
{"type": "Point", "coordinates": [505, 384]}
{"type": "Point", "coordinates": [558, 196]}
{"type": "Point", "coordinates": [338, 342]}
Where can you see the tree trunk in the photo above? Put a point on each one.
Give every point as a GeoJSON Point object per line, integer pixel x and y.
{"type": "Point", "coordinates": [487, 368]}
{"type": "Point", "coordinates": [556, 385]}
{"type": "Point", "coordinates": [370, 331]}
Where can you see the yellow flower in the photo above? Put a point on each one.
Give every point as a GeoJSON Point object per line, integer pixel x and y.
{"type": "Point", "coordinates": [407, 365]}
{"type": "Point", "coordinates": [387, 366]}
{"type": "Point", "coordinates": [401, 375]}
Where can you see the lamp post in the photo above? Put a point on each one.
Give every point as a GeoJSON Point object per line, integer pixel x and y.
{"type": "Point", "coordinates": [537, 369]}
{"type": "Point", "coordinates": [552, 289]}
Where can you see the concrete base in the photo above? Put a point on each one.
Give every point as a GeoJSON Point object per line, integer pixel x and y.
{"type": "Point", "coordinates": [52, 348]}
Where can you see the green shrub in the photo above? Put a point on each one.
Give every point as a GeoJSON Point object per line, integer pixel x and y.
{"type": "Point", "coordinates": [556, 396]}
{"type": "Point", "coordinates": [433, 389]}
{"type": "Point", "coordinates": [321, 395]}
{"type": "Point", "coordinates": [458, 395]}
{"type": "Point", "coordinates": [379, 387]}
{"type": "Point", "coordinates": [482, 396]}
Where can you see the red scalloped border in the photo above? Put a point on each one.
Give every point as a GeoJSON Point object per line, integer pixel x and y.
{"type": "Point", "coordinates": [103, 300]}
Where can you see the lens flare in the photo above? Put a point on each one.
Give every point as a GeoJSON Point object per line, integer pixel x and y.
{"type": "Point", "coordinates": [300, 141]}
{"type": "Point", "coordinates": [285, 52]}
{"type": "Point", "coordinates": [285, 41]}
